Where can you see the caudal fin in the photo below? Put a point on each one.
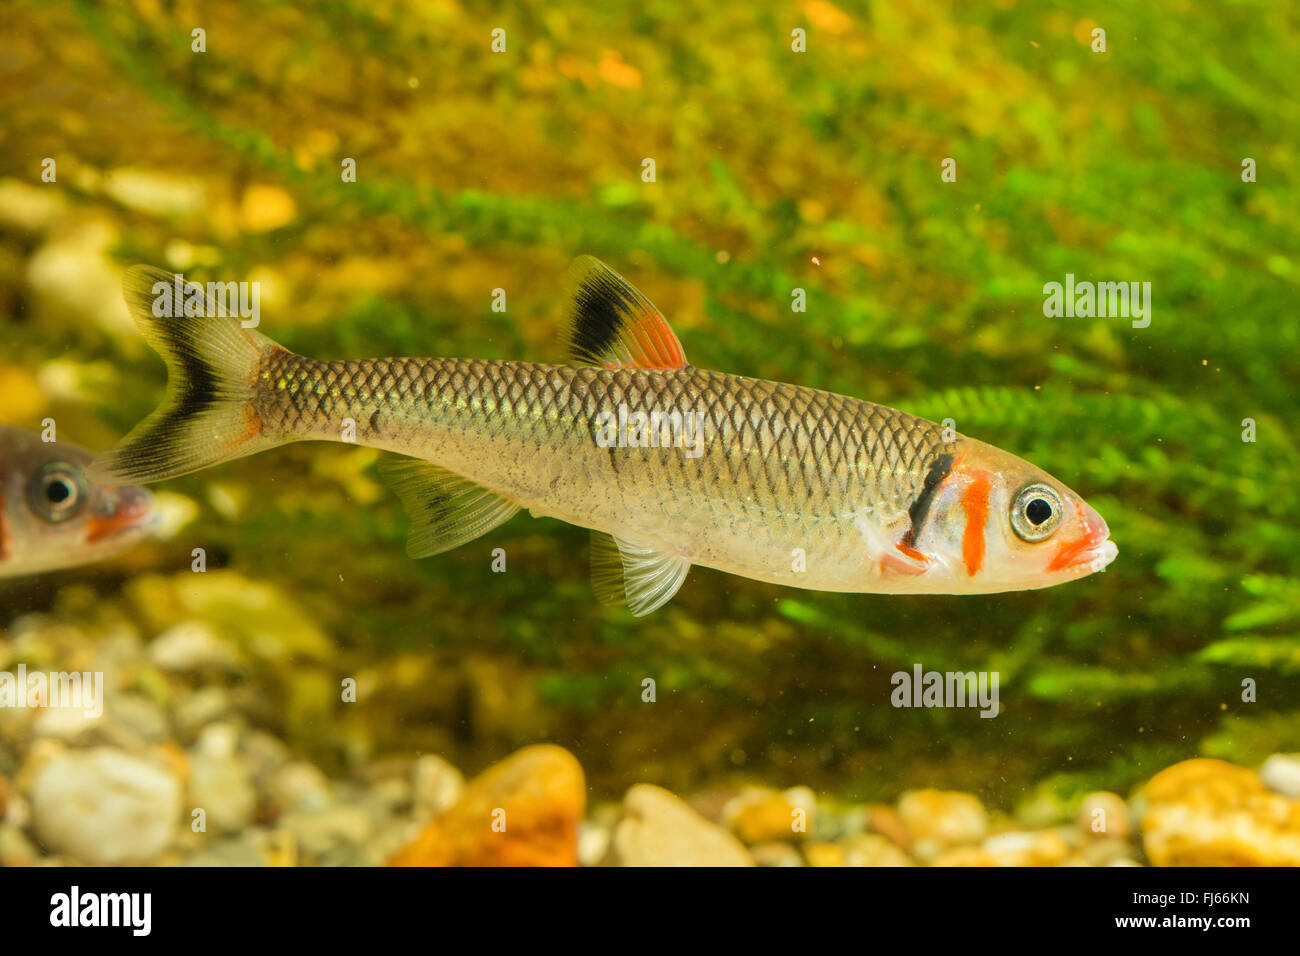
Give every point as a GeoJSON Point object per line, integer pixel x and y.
{"type": "Point", "coordinates": [209, 414]}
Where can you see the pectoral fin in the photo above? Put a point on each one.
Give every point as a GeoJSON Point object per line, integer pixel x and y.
{"type": "Point", "coordinates": [445, 509]}
{"type": "Point", "coordinates": [626, 573]}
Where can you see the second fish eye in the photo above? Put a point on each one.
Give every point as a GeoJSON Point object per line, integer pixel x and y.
{"type": "Point", "coordinates": [1036, 513]}
{"type": "Point", "coordinates": [56, 492]}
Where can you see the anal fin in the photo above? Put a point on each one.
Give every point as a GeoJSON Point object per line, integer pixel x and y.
{"type": "Point", "coordinates": [641, 578]}
{"type": "Point", "coordinates": [445, 509]}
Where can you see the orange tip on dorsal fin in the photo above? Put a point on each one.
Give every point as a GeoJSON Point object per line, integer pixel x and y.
{"type": "Point", "coordinates": [612, 325]}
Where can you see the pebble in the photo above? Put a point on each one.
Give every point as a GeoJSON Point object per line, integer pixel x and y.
{"type": "Point", "coordinates": [437, 785]}
{"type": "Point", "coordinates": [965, 856]}
{"type": "Point", "coordinates": [200, 708]}
{"type": "Point", "coordinates": [324, 833]}
{"type": "Point", "coordinates": [1281, 774]}
{"type": "Point", "coordinates": [298, 786]}
{"type": "Point", "coordinates": [765, 816]}
{"type": "Point", "coordinates": [105, 807]}
{"type": "Point", "coordinates": [940, 819]}
{"type": "Point", "coordinates": [824, 854]}
{"type": "Point", "coordinates": [1206, 812]}
{"type": "Point", "coordinates": [192, 646]}
{"type": "Point", "coordinates": [775, 854]}
{"type": "Point", "coordinates": [872, 849]}
{"type": "Point", "coordinates": [1102, 851]}
{"type": "Point", "coordinates": [221, 785]}
{"type": "Point", "coordinates": [1027, 848]}
{"type": "Point", "coordinates": [242, 850]}
{"type": "Point", "coordinates": [1104, 814]}
{"type": "Point", "coordinates": [593, 843]}
{"type": "Point", "coordinates": [523, 811]}
{"type": "Point", "coordinates": [138, 715]}
{"type": "Point", "coordinates": [883, 819]}
{"type": "Point", "coordinates": [16, 849]}
{"type": "Point", "coordinates": [265, 754]}
{"type": "Point", "coordinates": [660, 829]}
{"type": "Point", "coordinates": [69, 724]}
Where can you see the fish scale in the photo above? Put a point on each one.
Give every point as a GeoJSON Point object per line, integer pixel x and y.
{"type": "Point", "coordinates": [783, 465]}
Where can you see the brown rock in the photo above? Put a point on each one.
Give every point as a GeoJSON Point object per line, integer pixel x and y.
{"type": "Point", "coordinates": [523, 811]}
{"type": "Point", "coordinates": [1211, 813]}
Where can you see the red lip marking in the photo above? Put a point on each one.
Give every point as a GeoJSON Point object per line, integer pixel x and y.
{"type": "Point", "coordinates": [132, 506]}
{"type": "Point", "coordinates": [975, 502]}
{"type": "Point", "coordinates": [97, 529]}
{"type": "Point", "coordinates": [1074, 553]}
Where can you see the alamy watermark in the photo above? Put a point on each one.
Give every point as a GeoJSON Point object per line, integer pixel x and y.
{"type": "Point", "coordinates": [242, 300]}
{"type": "Point", "coordinates": [61, 689]}
{"type": "Point", "coordinates": [1086, 300]}
{"type": "Point", "coordinates": [919, 688]}
{"type": "Point", "coordinates": [654, 429]}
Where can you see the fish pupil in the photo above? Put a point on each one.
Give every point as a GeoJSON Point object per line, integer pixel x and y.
{"type": "Point", "coordinates": [58, 491]}
{"type": "Point", "coordinates": [1038, 510]}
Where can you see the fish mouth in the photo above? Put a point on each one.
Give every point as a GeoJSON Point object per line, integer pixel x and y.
{"type": "Point", "coordinates": [1091, 553]}
{"type": "Point", "coordinates": [1093, 559]}
{"type": "Point", "coordinates": [133, 514]}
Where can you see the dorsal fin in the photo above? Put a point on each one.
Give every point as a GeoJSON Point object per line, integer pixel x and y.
{"type": "Point", "coordinates": [612, 325]}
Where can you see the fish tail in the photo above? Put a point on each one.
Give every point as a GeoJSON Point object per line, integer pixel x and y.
{"type": "Point", "coordinates": [210, 412]}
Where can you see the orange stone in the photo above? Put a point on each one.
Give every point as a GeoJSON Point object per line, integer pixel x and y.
{"type": "Point", "coordinates": [1211, 813]}
{"type": "Point", "coordinates": [523, 811]}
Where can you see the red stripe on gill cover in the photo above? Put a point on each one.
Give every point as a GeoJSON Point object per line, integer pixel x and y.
{"type": "Point", "coordinates": [975, 502]}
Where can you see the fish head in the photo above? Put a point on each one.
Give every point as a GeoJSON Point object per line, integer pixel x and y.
{"type": "Point", "coordinates": [52, 516]}
{"type": "Point", "coordinates": [1004, 524]}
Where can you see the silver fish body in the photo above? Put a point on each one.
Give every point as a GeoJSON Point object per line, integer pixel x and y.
{"type": "Point", "coordinates": [669, 465]}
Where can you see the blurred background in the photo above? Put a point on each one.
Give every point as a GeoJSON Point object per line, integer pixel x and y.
{"type": "Point", "coordinates": [478, 170]}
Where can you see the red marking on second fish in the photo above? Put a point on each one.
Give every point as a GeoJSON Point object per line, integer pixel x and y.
{"type": "Point", "coordinates": [975, 502]}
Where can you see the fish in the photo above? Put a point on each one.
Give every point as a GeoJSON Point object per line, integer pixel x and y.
{"type": "Point", "coordinates": [52, 516]}
{"type": "Point", "coordinates": [668, 465]}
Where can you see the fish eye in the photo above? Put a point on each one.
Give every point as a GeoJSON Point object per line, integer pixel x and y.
{"type": "Point", "coordinates": [57, 492]}
{"type": "Point", "coordinates": [1036, 513]}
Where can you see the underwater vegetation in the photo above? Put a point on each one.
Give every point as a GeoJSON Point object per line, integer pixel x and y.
{"type": "Point", "coordinates": [774, 171]}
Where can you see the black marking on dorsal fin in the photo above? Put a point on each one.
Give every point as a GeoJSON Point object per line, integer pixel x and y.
{"type": "Point", "coordinates": [920, 509]}
{"type": "Point", "coordinates": [612, 325]}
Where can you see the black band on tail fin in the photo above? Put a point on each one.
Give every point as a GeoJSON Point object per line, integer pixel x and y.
{"type": "Point", "coordinates": [208, 414]}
